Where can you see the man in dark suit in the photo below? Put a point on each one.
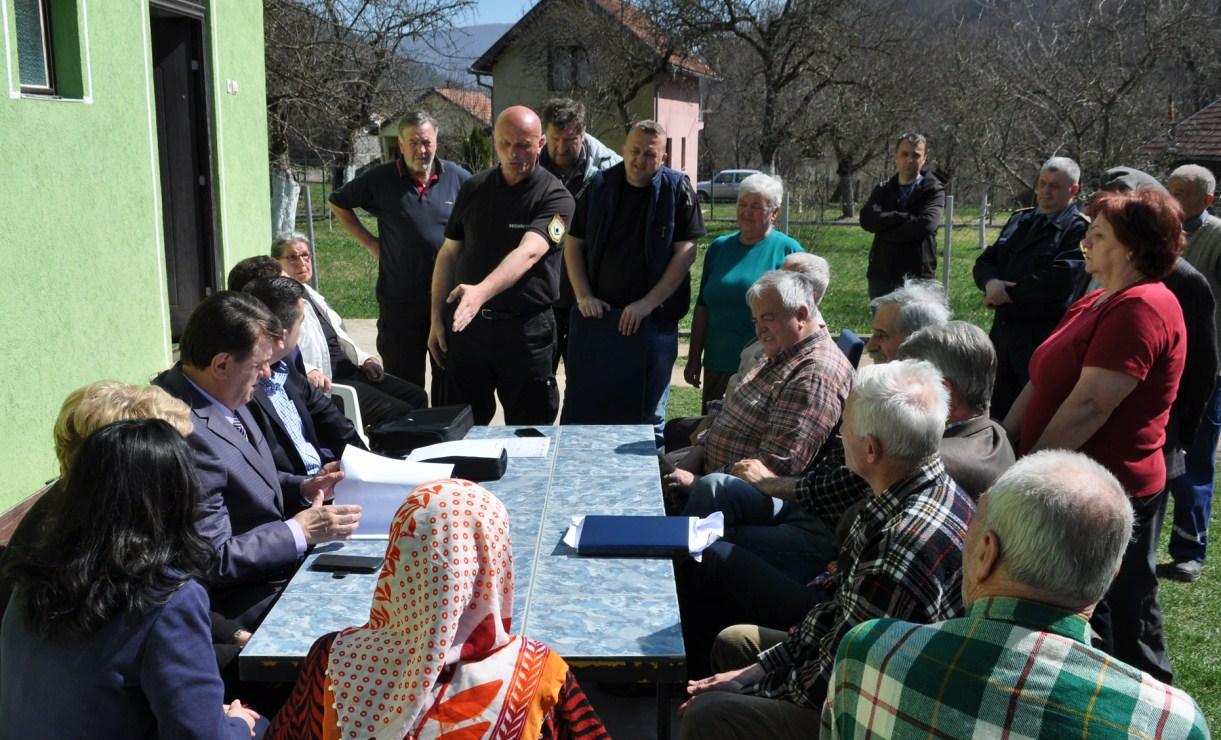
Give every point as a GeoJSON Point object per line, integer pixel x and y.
{"type": "Point", "coordinates": [1027, 276]}
{"type": "Point", "coordinates": [259, 520]}
{"type": "Point", "coordinates": [304, 428]}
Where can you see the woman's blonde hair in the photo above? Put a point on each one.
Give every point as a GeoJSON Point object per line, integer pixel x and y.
{"type": "Point", "coordinates": [93, 406]}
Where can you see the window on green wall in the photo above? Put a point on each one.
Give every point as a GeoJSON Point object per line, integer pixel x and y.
{"type": "Point", "coordinates": [48, 48]}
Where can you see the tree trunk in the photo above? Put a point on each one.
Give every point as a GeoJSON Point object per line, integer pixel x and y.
{"type": "Point", "coordinates": [285, 193]}
{"type": "Point", "coordinates": [843, 191]}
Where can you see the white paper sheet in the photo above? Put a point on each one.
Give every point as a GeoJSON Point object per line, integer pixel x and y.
{"type": "Point", "coordinates": [515, 446]}
{"type": "Point", "coordinates": [700, 535]}
{"type": "Point", "coordinates": [379, 484]}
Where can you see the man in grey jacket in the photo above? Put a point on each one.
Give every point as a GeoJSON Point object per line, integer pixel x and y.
{"type": "Point", "coordinates": [573, 156]}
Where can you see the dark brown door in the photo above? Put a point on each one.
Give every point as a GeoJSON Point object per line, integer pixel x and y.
{"type": "Point", "coordinates": [186, 163]}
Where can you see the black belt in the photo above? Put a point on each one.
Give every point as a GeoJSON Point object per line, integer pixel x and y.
{"type": "Point", "coordinates": [493, 315]}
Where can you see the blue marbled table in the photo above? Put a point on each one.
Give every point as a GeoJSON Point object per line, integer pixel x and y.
{"type": "Point", "coordinates": [612, 619]}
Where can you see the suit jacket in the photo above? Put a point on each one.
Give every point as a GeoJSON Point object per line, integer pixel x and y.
{"type": "Point", "coordinates": [325, 427]}
{"type": "Point", "coordinates": [975, 453]}
{"type": "Point", "coordinates": [243, 510]}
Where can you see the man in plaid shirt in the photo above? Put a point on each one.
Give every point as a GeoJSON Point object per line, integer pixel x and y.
{"type": "Point", "coordinates": [904, 558]}
{"type": "Point", "coordinates": [1044, 546]}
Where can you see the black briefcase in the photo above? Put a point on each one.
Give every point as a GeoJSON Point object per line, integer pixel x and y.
{"type": "Point", "coordinates": [422, 427]}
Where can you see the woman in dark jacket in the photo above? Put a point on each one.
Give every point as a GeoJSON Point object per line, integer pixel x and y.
{"type": "Point", "coordinates": [107, 632]}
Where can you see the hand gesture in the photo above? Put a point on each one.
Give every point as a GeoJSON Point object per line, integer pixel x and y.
{"type": "Point", "coordinates": [328, 523]}
{"type": "Point", "coordinates": [470, 299]}
{"type": "Point", "coordinates": [320, 381]}
{"type": "Point", "coordinates": [633, 315]}
{"type": "Point", "coordinates": [244, 713]}
{"type": "Point", "coordinates": [996, 293]}
{"type": "Point", "coordinates": [373, 370]}
{"type": "Point", "coordinates": [691, 373]}
{"type": "Point", "coordinates": [436, 343]}
{"type": "Point", "coordinates": [751, 470]}
{"type": "Point", "coordinates": [592, 308]}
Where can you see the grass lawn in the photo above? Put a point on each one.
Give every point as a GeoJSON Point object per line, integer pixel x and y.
{"type": "Point", "coordinates": [1193, 621]}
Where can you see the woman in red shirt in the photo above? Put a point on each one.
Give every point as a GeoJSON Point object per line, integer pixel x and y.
{"type": "Point", "coordinates": [1103, 383]}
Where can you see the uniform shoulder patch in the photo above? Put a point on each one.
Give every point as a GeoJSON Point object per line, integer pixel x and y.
{"type": "Point", "coordinates": [556, 228]}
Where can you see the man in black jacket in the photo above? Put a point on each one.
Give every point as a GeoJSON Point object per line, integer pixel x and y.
{"type": "Point", "coordinates": [1028, 274]}
{"type": "Point", "coordinates": [903, 214]}
{"type": "Point", "coordinates": [304, 428]}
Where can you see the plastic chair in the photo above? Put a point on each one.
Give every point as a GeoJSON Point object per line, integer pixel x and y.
{"type": "Point", "coordinates": [351, 407]}
{"type": "Point", "coordinates": [851, 345]}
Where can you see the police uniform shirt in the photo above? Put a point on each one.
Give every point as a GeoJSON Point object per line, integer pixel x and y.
{"type": "Point", "coordinates": [490, 218]}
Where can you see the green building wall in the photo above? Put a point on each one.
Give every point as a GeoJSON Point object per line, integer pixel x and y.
{"type": "Point", "coordinates": [82, 264]}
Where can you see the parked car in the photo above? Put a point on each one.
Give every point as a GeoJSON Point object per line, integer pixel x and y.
{"type": "Point", "coordinates": [724, 185]}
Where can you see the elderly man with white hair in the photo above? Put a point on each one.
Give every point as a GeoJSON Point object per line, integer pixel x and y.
{"type": "Point", "coordinates": [1028, 274]}
{"type": "Point", "coordinates": [907, 309]}
{"type": "Point", "coordinates": [1045, 543]}
{"type": "Point", "coordinates": [1192, 186]}
{"type": "Point", "coordinates": [902, 556]}
{"type": "Point", "coordinates": [786, 406]}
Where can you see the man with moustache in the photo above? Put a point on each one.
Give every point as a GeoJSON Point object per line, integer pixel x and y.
{"type": "Point", "coordinates": [629, 256]}
{"type": "Point", "coordinates": [497, 277]}
{"type": "Point", "coordinates": [412, 198]}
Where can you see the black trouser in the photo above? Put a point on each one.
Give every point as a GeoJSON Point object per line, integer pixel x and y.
{"type": "Point", "coordinates": [390, 398]}
{"type": "Point", "coordinates": [402, 342]}
{"type": "Point", "coordinates": [1128, 620]}
{"type": "Point", "coordinates": [507, 355]}
{"type": "Point", "coordinates": [561, 336]}
{"type": "Point", "coordinates": [1015, 342]}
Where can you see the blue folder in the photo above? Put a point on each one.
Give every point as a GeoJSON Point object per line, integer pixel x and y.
{"type": "Point", "coordinates": [640, 536]}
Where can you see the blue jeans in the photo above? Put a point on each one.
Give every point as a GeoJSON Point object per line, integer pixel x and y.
{"type": "Point", "coordinates": [1193, 490]}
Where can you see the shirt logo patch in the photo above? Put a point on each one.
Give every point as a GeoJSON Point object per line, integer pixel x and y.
{"type": "Point", "coordinates": [556, 229]}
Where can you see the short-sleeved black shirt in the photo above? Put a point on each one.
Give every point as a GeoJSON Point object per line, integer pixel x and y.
{"type": "Point", "coordinates": [622, 272]}
{"type": "Point", "coordinates": [410, 225]}
{"type": "Point", "coordinates": [490, 218]}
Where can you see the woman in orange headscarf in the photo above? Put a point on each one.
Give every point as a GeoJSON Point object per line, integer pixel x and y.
{"type": "Point", "coordinates": [436, 657]}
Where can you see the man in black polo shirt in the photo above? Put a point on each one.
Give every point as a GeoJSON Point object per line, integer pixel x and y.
{"type": "Point", "coordinates": [497, 277]}
{"type": "Point", "coordinates": [629, 255]}
{"type": "Point", "coordinates": [412, 198]}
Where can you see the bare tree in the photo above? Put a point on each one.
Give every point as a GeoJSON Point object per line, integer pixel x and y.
{"type": "Point", "coordinates": [333, 68]}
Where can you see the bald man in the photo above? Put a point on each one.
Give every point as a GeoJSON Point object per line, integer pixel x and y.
{"type": "Point", "coordinates": [497, 277]}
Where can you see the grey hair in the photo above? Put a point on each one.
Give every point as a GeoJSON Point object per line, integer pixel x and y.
{"type": "Point", "coordinates": [964, 355]}
{"type": "Point", "coordinates": [813, 267]}
{"type": "Point", "coordinates": [1063, 165]}
{"type": "Point", "coordinates": [913, 138]}
{"type": "Point", "coordinates": [795, 290]}
{"type": "Point", "coordinates": [418, 118]}
{"type": "Point", "coordinates": [903, 404]}
{"type": "Point", "coordinates": [287, 239]}
{"type": "Point", "coordinates": [651, 128]}
{"type": "Point", "coordinates": [1063, 522]}
{"type": "Point", "coordinates": [1201, 177]}
{"type": "Point", "coordinates": [769, 187]}
{"type": "Point", "coordinates": [562, 113]}
{"type": "Point", "coordinates": [921, 303]}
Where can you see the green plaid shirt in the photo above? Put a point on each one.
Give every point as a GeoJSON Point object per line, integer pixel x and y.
{"type": "Point", "coordinates": [1009, 668]}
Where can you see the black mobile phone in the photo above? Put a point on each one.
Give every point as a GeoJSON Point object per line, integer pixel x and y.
{"type": "Point", "coordinates": [528, 432]}
{"type": "Point", "coordinates": [332, 563]}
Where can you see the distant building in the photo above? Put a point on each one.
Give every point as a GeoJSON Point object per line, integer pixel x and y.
{"type": "Point", "coordinates": [1195, 139]}
{"type": "Point", "coordinates": [521, 75]}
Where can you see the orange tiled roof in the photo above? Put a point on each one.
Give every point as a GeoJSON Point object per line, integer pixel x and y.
{"type": "Point", "coordinates": [1197, 136]}
{"type": "Point", "coordinates": [475, 102]}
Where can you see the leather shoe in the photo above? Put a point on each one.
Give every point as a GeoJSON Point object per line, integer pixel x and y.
{"type": "Point", "coordinates": [1186, 571]}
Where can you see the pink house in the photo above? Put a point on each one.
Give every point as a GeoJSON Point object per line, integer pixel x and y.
{"type": "Point", "coordinates": [545, 55]}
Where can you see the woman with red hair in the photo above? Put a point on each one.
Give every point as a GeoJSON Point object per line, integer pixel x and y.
{"type": "Point", "coordinates": [436, 657]}
{"type": "Point", "coordinates": [1103, 384]}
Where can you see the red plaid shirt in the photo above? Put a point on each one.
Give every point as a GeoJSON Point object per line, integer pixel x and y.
{"type": "Point", "coordinates": [783, 410]}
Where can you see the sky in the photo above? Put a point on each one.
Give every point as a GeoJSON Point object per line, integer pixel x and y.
{"type": "Point", "coordinates": [498, 11]}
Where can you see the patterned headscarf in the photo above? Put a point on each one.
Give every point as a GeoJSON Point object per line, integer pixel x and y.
{"type": "Point", "coordinates": [430, 661]}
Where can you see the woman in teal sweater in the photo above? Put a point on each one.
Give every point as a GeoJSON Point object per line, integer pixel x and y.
{"type": "Point", "coordinates": [721, 325]}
